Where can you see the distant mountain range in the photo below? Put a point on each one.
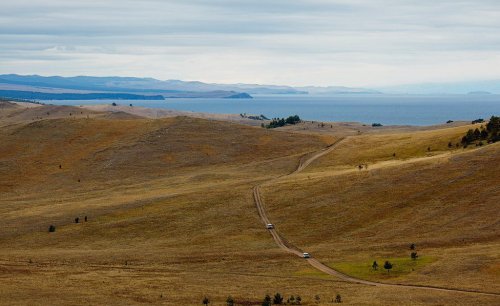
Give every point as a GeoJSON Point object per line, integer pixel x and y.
{"type": "Point", "coordinates": [37, 87]}
{"type": "Point", "coordinates": [33, 95]}
{"type": "Point", "coordinates": [56, 87]}
{"type": "Point", "coordinates": [84, 87]}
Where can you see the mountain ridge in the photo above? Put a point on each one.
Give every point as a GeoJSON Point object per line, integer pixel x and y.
{"type": "Point", "coordinates": [154, 86]}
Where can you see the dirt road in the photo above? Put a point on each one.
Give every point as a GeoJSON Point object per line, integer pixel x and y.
{"type": "Point", "coordinates": [305, 161]}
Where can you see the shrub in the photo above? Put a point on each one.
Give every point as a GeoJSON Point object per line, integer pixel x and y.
{"type": "Point", "coordinates": [267, 300]}
{"type": "Point", "coordinates": [229, 301]}
{"type": "Point", "coordinates": [388, 266]}
{"type": "Point", "coordinates": [414, 255]}
{"type": "Point", "coordinates": [206, 301]}
{"type": "Point", "coordinates": [52, 229]}
{"type": "Point", "coordinates": [292, 120]}
{"type": "Point", "coordinates": [278, 299]}
{"type": "Point", "coordinates": [477, 134]}
{"type": "Point", "coordinates": [493, 125]}
{"type": "Point", "coordinates": [376, 124]}
{"type": "Point", "coordinates": [484, 134]}
{"type": "Point", "coordinates": [338, 299]}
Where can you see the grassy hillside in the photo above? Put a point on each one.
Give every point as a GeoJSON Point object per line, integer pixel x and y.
{"type": "Point", "coordinates": [98, 150]}
{"type": "Point", "coordinates": [171, 218]}
{"type": "Point", "coordinates": [446, 206]}
{"type": "Point", "coordinates": [373, 148]}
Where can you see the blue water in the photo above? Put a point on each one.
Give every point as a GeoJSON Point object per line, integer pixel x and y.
{"type": "Point", "coordinates": [385, 109]}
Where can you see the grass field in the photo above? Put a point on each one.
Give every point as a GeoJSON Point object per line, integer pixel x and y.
{"type": "Point", "coordinates": [444, 205]}
{"type": "Point", "coordinates": [401, 267]}
{"type": "Point", "coordinates": [171, 217]}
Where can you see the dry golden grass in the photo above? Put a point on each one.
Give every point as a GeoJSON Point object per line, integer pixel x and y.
{"type": "Point", "coordinates": [370, 149]}
{"type": "Point", "coordinates": [447, 206]}
{"type": "Point", "coordinates": [172, 219]}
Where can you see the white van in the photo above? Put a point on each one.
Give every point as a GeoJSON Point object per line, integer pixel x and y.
{"type": "Point", "coordinates": [270, 226]}
{"type": "Point", "coordinates": [306, 255]}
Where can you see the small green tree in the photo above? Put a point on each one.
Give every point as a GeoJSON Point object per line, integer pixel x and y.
{"type": "Point", "coordinates": [206, 301]}
{"type": "Point", "coordinates": [278, 299]}
{"type": "Point", "coordinates": [388, 266]}
{"type": "Point", "coordinates": [469, 137]}
{"type": "Point", "coordinates": [414, 255]}
{"type": "Point", "coordinates": [484, 134]}
{"type": "Point", "coordinates": [477, 134]}
{"type": "Point", "coordinates": [267, 300]}
{"type": "Point", "coordinates": [338, 299]}
{"type": "Point", "coordinates": [230, 301]}
{"type": "Point", "coordinates": [494, 124]}
{"type": "Point", "coordinates": [412, 246]}
{"type": "Point", "coordinates": [52, 229]}
{"type": "Point", "coordinates": [375, 265]}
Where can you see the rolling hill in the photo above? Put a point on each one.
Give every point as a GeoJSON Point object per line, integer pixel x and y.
{"type": "Point", "coordinates": [172, 218]}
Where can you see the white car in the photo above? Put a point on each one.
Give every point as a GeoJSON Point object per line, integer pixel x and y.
{"type": "Point", "coordinates": [306, 255]}
{"type": "Point", "coordinates": [270, 226]}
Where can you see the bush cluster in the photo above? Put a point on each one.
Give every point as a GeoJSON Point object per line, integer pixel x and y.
{"type": "Point", "coordinates": [489, 134]}
{"type": "Point", "coordinates": [277, 122]}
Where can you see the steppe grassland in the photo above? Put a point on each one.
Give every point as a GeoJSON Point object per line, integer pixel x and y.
{"type": "Point", "coordinates": [172, 219]}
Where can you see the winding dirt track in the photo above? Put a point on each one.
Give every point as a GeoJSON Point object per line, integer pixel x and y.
{"type": "Point", "coordinates": [290, 248]}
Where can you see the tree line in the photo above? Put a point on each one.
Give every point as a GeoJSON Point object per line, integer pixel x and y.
{"type": "Point", "coordinates": [277, 299]}
{"type": "Point", "coordinates": [490, 133]}
{"type": "Point", "coordinates": [277, 122]}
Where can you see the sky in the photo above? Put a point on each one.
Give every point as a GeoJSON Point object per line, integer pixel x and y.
{"type": "Point", "coordinates": [362, 43]}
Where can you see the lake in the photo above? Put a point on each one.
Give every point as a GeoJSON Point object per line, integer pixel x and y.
{"type": "Point", "coordinates": [384, 109]}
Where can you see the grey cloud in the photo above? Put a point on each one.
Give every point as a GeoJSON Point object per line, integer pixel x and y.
{"type": "Point", "coordinates": [307, 33]}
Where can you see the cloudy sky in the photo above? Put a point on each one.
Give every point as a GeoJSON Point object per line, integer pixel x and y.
{"type": "Point", "coordinates": [293, 42]}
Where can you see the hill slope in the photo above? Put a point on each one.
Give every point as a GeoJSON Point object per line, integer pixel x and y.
{"type": "Point", "coordinates": [171, 217]}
